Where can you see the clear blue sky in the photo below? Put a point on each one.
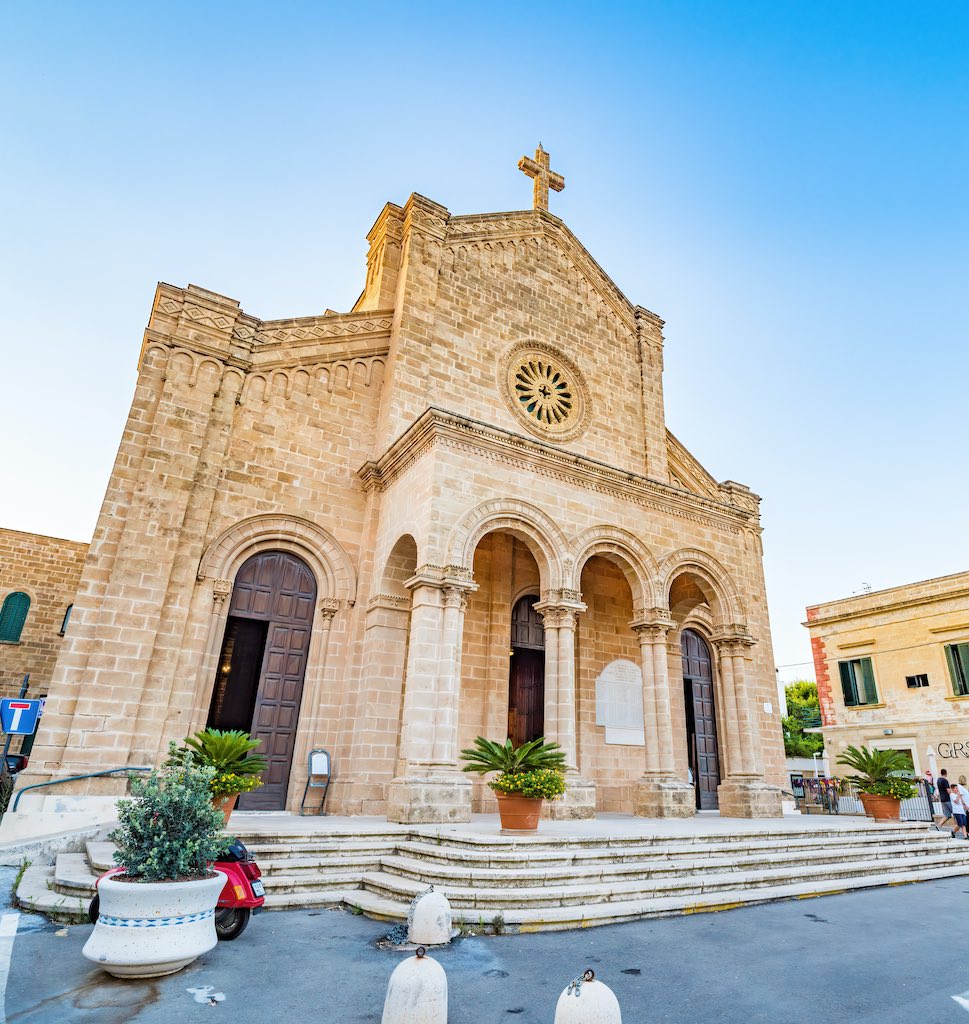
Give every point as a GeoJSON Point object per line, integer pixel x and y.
{"type": "Point", "coordinates": [785, 183]}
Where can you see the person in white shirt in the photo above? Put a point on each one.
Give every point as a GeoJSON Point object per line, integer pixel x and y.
{"type": "Point", "coordinates": [959, 796]}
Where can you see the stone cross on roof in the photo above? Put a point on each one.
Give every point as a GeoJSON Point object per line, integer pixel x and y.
{"type": "Point", "coordinates": [544, 178]}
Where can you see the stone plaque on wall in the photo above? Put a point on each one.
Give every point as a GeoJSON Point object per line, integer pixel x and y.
{"type": "Point", "coordinates": [619, 703]}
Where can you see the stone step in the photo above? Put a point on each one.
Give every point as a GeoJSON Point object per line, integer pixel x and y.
{"type": "Point", "coordinates": [319, 865]}
{"type": "Point", "coordinates": [394, 887]}
{"type": "Point", "coordinates": [36, 893]}
{"type": "Point", "coordinates": [101, 856]}
{"type": "Point", "coordinates": [592, 915]}
{"type": "Point", "coordinates": [73, 875]}
{"type": "Point", "coordinates": [471, 840]}
{"type": "Point", "coordinates": [603, 870]}
{"type": "Point", "coordinates": [323, 845]}
{"type": "Point", "coordinates": [320, 850]}
{"type": "Point", "coordinates": [446, 853]}
{"type": "Point", "coordinates": [309, 882]}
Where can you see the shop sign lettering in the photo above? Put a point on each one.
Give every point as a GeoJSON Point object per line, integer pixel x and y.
{"type": "Point", "coordinates": [950, 750]}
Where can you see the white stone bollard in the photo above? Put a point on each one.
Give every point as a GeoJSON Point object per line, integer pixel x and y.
{"type": "Point", "coordinates": [587, 1001]}
{"type": "Point", "coordinates": [417, 993]}
{"type": "Point", "coordinates": [430, 923]}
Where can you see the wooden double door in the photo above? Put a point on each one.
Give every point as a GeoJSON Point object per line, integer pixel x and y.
{"type": "Point", "coordinates": [701, 719]}
{"type": "Point", "coordinates": [526, 680]}
{"type": "Point", "coordinates": [259, 684]}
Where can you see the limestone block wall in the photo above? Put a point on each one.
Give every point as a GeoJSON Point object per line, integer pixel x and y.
{"type": "Point", "coordinates": [47, 570]}
{"type": "Point", "coordinates": [232, 419]}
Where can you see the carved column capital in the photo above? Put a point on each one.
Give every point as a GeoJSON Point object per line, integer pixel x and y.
{"type": "Point", "coordinates": [456, 597]}
{"type": "Point", "coordinates": [558, 616]}
{"type": "Point", "coordinates": [328, 607]}
{"type": "Point", "coordinates": [221, 589]}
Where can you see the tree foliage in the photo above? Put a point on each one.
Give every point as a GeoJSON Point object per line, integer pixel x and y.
{"type": "Point", "coordinates": [803, 712]}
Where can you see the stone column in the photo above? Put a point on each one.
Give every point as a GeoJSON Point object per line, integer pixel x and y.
{"type": "Point", "coordinates": [659, 794]}
{"type": "Point", "coordinates": [744, 793]}
{"type": "Point", "coordinates": [429, 786]}
{"type": "Point", "coordinates": [579, 800]}
{"type": "Point", "coordinates": [449, 680]}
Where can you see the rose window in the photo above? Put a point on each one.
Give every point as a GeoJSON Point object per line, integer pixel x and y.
{"type": "Point", "coordinates": [544, 389]}
{"type": "Point", "coordinates": [544, 392]}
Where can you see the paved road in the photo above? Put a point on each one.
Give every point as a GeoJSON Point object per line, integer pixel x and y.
{"type": "Point", "coordinates": [858, 958]}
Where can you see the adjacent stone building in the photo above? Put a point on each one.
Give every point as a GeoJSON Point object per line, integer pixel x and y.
{"type": "Point", "coordinates": [453, 510]}
{"type": "Point", "coordinates": [39, 577]}
{"type": "Point", "coordinates": [893, 671]}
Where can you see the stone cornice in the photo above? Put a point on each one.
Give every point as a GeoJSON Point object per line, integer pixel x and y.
{"type": "Point", "coordinates": [440, 426]}
{"type": "Point", "coordinates": [882, 607]}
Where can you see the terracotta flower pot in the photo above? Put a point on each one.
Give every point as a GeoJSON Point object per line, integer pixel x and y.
{"type": "Point", "coordinates": [519, 813]}
{"type": "Point", "coordinates": [226, 806]}
{"type": "Point", "coordinates": [881, 808]}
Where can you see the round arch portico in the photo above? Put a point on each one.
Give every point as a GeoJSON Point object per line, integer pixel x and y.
{"type": "Point", "coordinates": [534, 527]}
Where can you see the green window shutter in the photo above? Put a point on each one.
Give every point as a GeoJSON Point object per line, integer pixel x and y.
{"type": "Point", "coordinates": [13, 615]}
{"type": "Point", "coordinates": [868, 676]}
{"type": "Point", "coordinates": [848, 684]}
{"type": "Point", "coordinates": [957, 655]}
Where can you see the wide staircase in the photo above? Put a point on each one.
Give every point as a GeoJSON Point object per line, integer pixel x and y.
{"type": "Point", "coordinates": [543, 883]}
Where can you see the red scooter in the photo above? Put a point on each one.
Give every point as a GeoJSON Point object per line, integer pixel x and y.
{"type": "Point", "coordinates": [242, 893]}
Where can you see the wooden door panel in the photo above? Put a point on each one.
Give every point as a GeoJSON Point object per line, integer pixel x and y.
{"type": "Point", "coordinates": [704, 752]}
{"type": "Point", "coordinates": [279, 588]}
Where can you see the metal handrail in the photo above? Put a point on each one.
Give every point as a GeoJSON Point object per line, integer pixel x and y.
{"type": "Point", "coordinates": [76, 778]}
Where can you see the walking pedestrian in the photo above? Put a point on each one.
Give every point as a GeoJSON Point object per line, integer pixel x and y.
{"type": "Point", "coordinates": [959, 797]}
{"type": "Point", "coordinates": [942, 784]}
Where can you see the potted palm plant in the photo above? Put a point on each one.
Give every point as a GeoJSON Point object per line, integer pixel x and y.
{"type": "Point", "coordinates": [236, 769]}
{"type": "Point", "coordinates": [527, 775]}
{"type": "Point", "coordinates": [158, 915]}
{"type": "Point", "coordinates": [883, 779]}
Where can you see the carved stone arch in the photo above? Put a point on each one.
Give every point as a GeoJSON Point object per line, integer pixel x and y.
{"type": "Point", "coordinates": [398, 562]}
{"type": "Point", "coordinates": [234, 381]}
{"type": "Point", "coordinates": [722, 593]}
{"type": "Point", "coordinates": [255, 389]}
{"type": "Point", "coordinates": [375, 376]}
{"type": "Point", "coordinates": [543, 538]}
{"type": "Point", "coordinates": [629, 553]}
{"type": "Point", "coordinates": [154, 360]}
{"type": "Point", "coordinates": [181, 364]}
{"type": "Point", "coordinates": [335, 575]}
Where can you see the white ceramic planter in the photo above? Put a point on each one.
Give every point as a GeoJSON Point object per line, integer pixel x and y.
{"type": "Point", "coordinates": [146, 929]}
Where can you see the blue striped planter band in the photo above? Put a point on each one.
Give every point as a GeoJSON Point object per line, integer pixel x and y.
{"type": "Point", "coordinates": [153, 922]}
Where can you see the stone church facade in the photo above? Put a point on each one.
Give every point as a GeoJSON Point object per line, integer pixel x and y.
{"type": "Point", "coordinates": [454, 510]}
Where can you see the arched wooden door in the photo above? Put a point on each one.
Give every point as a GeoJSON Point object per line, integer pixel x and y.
{"type": "Point", "coordinates": [526, 683]}
{"type": "Point", "coordinates": [260, 678]}
{"type": "Point", "coordinates": [701, 718]}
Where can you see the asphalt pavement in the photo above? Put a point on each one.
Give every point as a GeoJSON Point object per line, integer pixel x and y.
{"type": "Point", "coordinates": [870, 956]}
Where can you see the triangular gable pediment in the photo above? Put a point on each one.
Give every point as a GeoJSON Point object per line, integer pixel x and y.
{"type": "Point", "coordinates": [687, 473]}
{"type": "Point", "coordinates": [523, 225]}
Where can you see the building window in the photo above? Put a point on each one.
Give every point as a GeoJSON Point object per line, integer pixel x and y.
{"type": "Point", "coordinates": [858, 682]}
{"type": "Point", "coordinates": [67, 619]}
{"type": "Point", "coordinates": [914, 682]}
{"type": "Point", "coordinates": [957, 655]}
{"type": "Point", "coordinates": [13, 615]}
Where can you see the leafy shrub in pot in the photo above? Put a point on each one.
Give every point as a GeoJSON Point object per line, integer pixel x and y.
{"type": "Point", "coordinates": [159, 915]}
